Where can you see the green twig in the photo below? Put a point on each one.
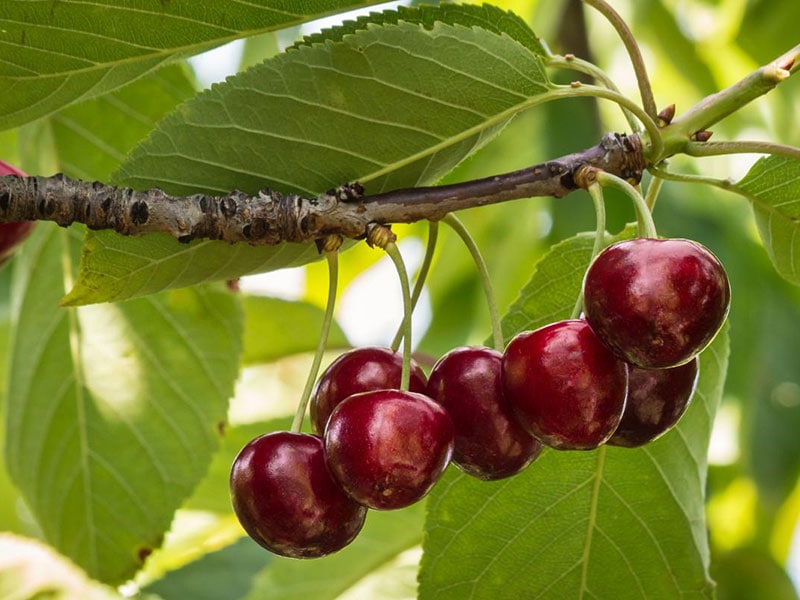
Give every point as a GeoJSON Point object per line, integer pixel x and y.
{"type": "Point", "coordinates": [333, 280]}
{"type": "Point", "coordinates": [494, 315]}
{"type": "Point", "coordinates": [652, 192]}
{"type": "Point", "coordinates": [712, 109]}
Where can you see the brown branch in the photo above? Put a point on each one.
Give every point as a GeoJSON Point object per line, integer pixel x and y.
{"type": "Point", "coordinates": [270, 218]}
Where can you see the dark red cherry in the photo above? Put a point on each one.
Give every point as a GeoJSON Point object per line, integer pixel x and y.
{"type": "Point", "coordinates": [489, 442]}
{"type": "Point", "coordinates": [388, 448]}
{"type": "Point", "coordinates": [657, 399]}
{"type": "Point", "coordinates": [287, 500]}
{"type": "Point", "coordinates": [359, 370]}
{"type": "Point", "coordinates": [564, 385]}
{"type": "Point", "coordinates": [656, 303]}
{"type": "Point", "coordinates": [12, 234]}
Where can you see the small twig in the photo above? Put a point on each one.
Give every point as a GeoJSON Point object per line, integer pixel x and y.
{"type": "Point", "coordinates": [741, 147]}
{"type": "Point", "coordinates": [270, 218]}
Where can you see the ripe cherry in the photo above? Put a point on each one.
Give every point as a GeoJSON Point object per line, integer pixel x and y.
{"type": "Point", "coordinates": [656, 303]}
{"type": "Point", "coordinates": [565, 386]}
{"type": "Point", "coordinates": [287, 500]}
{"type": "Point", "coordinates": [489, 442]}
{"type": "Point", "coordinates": [12, 234]}
{"type": "Point", "coordinates": [388, 448]}
{"type": "Point", "coordinates": [657, 399]}
{"type": "Point", "coordinates": [359, 370]}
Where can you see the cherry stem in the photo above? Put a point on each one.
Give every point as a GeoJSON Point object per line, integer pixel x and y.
{"type": "Point", "coordinates": [653, 189]}
{"type": "Point", "coordinates": [579, 65]}
{"type": "Point", "coordinates": [422, 276]}
{"type": "Point", "coordinates": [635, 54]}
{"type": "Point", "coordinates": [647, 228]}
{"type": "Point", "coordinates": [333, 280]}
{"type": "Point", "coordinates": [394, 253]}
{"type": "Point", "coordinates": [596, 192]}
{"type": "Point", "coordinates": [494, 314]}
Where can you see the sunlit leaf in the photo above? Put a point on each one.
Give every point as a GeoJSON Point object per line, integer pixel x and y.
{"type": "Point", "coordinates": [575, 524]}
{"type": "Point", "coordinates": [114, 411]}
{"type": "Point", "coordinates": [55, 54]}
{"type": "Point", "coordinates": [773, 185]}
{"type": "Point", "coordinates": [276, 328]}
{"type": "Point", "coordinates": [29, 569]}
{"type": "Point", "coordinates": [392, 106]}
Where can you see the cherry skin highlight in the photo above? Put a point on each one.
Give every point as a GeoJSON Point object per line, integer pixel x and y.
{"type": "Point", "coordinates": [359, 370]}
{"type": "Point", "coordinates": [657, 399]}
{"type": "Point", "coordinates": [287, 500]}
{"type": "Point", "coordinates": [565, 386]}
{"type": "Point", "coordinates": [388, 448]}
{"type": "Point", "coordinates": [656, 303]}
{"type": "Point", "coordinates": [489, 443]}
{"type": "Point", "coordinates": [12, 234]}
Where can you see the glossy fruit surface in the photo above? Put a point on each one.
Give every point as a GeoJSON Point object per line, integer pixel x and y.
{"type": "Point", "coordinates": [12, 234]}
{"type": "Point", "coordinates": [388, 448]}
{"type": "Point", "coordinates": [489, 442]}
{"type": "Point", "coordinates": [657, 399]}
{"type": "Point", "coordinates": [656, 303]}
{"type": "Point", "coordinates": [287, 500]}
{"type": "Point", "coordinates": [359, 370]}
{"type": "Point", "coordinates": [564, 385]}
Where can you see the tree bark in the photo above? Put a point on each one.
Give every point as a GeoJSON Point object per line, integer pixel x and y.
{"type": "Point", "coordinates": [270, 218]}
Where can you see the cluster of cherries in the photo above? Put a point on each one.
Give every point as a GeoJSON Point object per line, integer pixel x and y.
{"type": "Point", "coordinates": [622, 375]}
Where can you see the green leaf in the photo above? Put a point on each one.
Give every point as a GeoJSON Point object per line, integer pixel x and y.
{"type": "Point", "coordinates": [114, 411]}
{"type": "Point", "coordinates": [226, 573]}
{"type": "Point", "coordinates": [29, 569]}
{"type": "Point", "coordinates": [575, 524]}
{"type": "Point", "coordinates": [486, 16]}
{"type": "Point", "coordinates": [276, 328]}
{"type": "Point", "coordinates": [773, 186]}
{"type": "Point", "coordinates": [55, 54]}
{"type": "Point", "coordinates": [392, 106]}
{"type": "Point", "coordinates": [93, 137]}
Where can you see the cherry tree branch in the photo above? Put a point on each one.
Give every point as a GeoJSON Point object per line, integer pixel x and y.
{"type": "Point", "coordinates": [270, 218]}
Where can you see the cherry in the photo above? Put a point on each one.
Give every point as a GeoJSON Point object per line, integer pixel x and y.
{"type": "Point", "coordinates": [359, 370]}
{"type": "Point", "coordinates": [565, 386]}
{"type": "Point", "coordinates": [387, 448]}
{"type": "Point", "coordinates": [656, 303]}
{"type": "Point", "coordinates": [489, 443]}
{"type": "Point", "coordinates": [12, 234]}
{"type": "Point", "coordinates": [286, 499]}
{"type": "Point", "coordinates": [657, 399]}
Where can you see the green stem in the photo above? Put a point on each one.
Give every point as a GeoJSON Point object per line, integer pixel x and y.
{"type": "Point", "coordinates": [494, 314]}
{"type": "Point", "coordinates": [652, 193]}
{"type": "Point", "coordinates": [596, 192]}
{"type": "Point", "coordinates": [574, 63]}
{"type": "Point", "coordinates": [647, 228]}
{"type": "Point", "coordinates": [394, 253]}
{"type": "Point", "coordinates": [582, 90]}
{"type": "Point", "coordinates": [677, 135]}
{"type": "Point", "coordinates": [333, 280]}
{"type": "Point", "coordinates": [725, 184]}
{"type": "Point", "coordinates": [635, 54]}
{"type": "Point", "coordinates": [422, 276]}
{"type": "Point", "coordinates": [741, 147]}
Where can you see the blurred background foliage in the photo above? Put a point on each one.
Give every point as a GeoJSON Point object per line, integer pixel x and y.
{"type": "Point", "coordinates": [693, 48]}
